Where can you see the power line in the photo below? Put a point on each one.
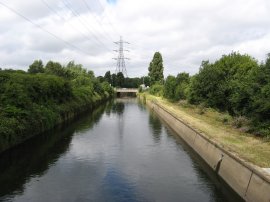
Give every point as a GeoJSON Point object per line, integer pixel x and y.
{"type": "Point", "coordinates": [54, 11]}
{"type": "Point", "coordinates": [67, 5]}
{"type": "Point", "coordinates": [40, 27]}
{"type": "Point", "coordinates": [101, 25]}
{"type": "Point", "coordinates": [102, 7]}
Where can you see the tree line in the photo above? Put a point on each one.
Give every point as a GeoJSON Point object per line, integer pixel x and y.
{"type": "Point", "coordinates": [236, 83]}
{"type": "Point", "coordinates": [119, 81]}
{"type": "Point", "coordinates": [34, 101]}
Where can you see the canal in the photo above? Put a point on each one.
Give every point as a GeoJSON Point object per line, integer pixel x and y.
{"type": "Point", "coordinates": [119, 152]}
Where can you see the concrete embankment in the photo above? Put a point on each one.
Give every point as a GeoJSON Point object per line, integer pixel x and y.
{"type": "Point", "coordinates": [252, 183]}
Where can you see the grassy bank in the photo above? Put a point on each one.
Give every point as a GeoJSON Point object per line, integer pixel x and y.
{"type": "Point", "coordinates": [33, 103]}
{"type": "Point", "coordinates": [248, 147]}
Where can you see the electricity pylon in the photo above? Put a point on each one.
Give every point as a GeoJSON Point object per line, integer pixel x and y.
{"type": "Point", "coordinates": [121, 64]}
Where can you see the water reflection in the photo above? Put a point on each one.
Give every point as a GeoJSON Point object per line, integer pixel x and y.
{"type": "Point", "coordinates": [35, 156]}
{"type": "Point", "coordinates": [204, 172]}
{"type": "Point", "coordinates": [108, 155]}
{"type": "Point", "coordinates": [156, 126]}
{"type": "Point", "coordinates": [118, 107]}
{"type": "Point", "coordinates": [115, 107]}
{"type": "Point", "coordinates": [141, 104]}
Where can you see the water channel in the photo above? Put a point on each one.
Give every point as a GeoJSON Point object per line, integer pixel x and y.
{"type": "Point", "coordinates": [119, 152]}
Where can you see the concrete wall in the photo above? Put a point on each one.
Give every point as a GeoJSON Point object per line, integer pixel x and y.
{"type": "Point", "coordinates": [249, 181]}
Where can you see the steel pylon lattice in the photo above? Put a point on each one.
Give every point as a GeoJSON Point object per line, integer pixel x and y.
{"type": "Point", "coordinates": [120, 60]}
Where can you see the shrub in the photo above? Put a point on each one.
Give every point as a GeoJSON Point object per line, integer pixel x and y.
{"type": "Point", "coordinates": [157, 89]}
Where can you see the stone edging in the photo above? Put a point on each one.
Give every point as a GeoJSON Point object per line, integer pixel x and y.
{"type": "Point", "coordinates": [248, 180]}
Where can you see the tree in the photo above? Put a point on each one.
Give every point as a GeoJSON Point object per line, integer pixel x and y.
{"type": "Point", "coordinates": [169, 87]}
{"type": "Point", "coordinates": [36, 67]}
{"type": "Point", "coordinates": [74, 70]}
{"type": "Point", "coordinates": [182, 87]}
{"type": "Point", "coordinates": [156, 69]}
{"type": "Point", "coordinates": [114, 80]}
{"type": "Point", "coordinates": [91, 74]}
{"type": "Point", "coordinates": [120, 79]}
{"type": "Point", "coordinates": [222, 85]}
{"type": "Point", "coordinates": [260, 95]}
{"type": "Point", "coordinates": [145, 80]}
{"type": "Point", "coordinates": [101, 79]}
{"type": "Point", "coordinates": [55, 68]}
{"type": "Point", "coordinates": [108, 77]}
{"type": "Point", "coordinates": [182, 77]}
{"type": "Point", "coordinates": [132, 82]}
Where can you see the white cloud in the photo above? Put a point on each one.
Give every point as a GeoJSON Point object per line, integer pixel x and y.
{"type": "Point", "coordinates": [185, 32]}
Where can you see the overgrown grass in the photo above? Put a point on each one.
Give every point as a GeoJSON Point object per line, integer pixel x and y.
{"type": "Point", "coordinates": [218, 127]}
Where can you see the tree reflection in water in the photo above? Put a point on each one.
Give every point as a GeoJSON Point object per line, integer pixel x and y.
{"type": "Point", "coordinates": [156, 126]}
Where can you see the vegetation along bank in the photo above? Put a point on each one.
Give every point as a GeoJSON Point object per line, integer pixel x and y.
{"type": "Point", "coordinates": [236, 85]}
{"type": "Point", "coordinates": [228, 100]}
{"type": "Point", "coordinates": [35, 101]}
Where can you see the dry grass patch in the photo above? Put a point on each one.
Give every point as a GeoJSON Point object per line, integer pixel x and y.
{"type": "Point", "coordinates": [217, 126]}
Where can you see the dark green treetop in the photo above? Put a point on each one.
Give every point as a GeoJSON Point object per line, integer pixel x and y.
{"type": "Point", "coordinates": [156, 69]}
{"type": "Point", "coordinates": [108, 77]}
{"type": "Point", "coordinates": [36, 67]}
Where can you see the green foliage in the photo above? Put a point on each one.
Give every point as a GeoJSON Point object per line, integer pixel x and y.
{"type": "Point", "coordinates": [176, 88]}
{"type": "Point", "coordinates": [220, 84]}
{"type": "Point", "coordinates": [156, 69]}
{"type": "Point", "coordinates": [132, 82]}
{"type": "Point", "coordinates": [31, 103]}
{"type": "Point", "coordinates": [108, 77]}
{"type": "Point", "coordinates": [157, 89]}
{"type": "Point", "coordinates": [55, 68]}
{"type": "Point", "coordinates": [169, 87]}
{"type": "Point", "coordinates": [120, 79]}
{"type": "Point", "coordinates": [145, 80]}
{"type": "Point", "coordinates": [36, 67]}
{"type": "Point", "coordinates": [114, 80]}
{"type": "Point", "coordinates": [235, 84]}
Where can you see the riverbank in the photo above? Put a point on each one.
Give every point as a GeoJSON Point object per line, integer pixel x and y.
{"type": "Point", "coordinates": [250, 181]}
{"type": "Point", "coordinates": [31, 104]}
{"type": "Point", "coordinates": [74, 110]}
{"type": "Point", "coordinates": [253, 149]}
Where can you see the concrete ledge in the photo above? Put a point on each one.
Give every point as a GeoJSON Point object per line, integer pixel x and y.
{"type": "Point", "coordinates": [249, 181]}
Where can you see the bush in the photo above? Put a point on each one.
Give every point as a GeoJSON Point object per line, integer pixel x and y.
{"type": "Point", "coordinates": [157, 89]}
{"type": "Point", "coordinates": [32, 103]}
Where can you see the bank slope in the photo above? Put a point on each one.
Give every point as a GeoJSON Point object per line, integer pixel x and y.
{"type": "Point", "coordinates": [33, 103]}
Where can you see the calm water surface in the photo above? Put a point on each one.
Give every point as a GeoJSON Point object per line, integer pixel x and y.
{"type": "Point", "coordinates": [119, 152]}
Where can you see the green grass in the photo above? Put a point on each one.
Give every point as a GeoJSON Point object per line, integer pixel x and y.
{"type": "Point", "coordinates": [217, 126]}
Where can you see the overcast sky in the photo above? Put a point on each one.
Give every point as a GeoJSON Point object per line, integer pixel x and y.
{"type": "Point", "coordinates": [185, 32]}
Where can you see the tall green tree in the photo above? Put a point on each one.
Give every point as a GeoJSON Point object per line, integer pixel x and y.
{"type": "Point", "coordinates": [36, 67]}
{"type": "Point", "coordinates": [114, 80]}
{"type": "Point", "coordinates": [120, 79]}
{"type": "Point", "coordinates": [108, 77]}
{"type": "Point", "coordinates": [156, 69]}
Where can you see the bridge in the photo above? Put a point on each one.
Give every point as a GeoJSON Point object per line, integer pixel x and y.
{"type": "Point", "coordinates": [126, 92]}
